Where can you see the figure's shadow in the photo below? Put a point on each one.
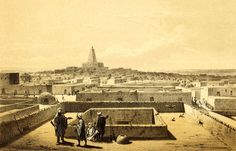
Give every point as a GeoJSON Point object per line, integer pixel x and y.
{"type": "Point", "coordinates": [66, 143]}
{"type": "Point", "coordinates": [171, 136]}
{"type": "Point", "coordinates": [106, 140]}
{"type": "Point", "coordinates": [91, 146]}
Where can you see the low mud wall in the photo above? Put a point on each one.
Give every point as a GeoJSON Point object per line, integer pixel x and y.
{"type": "Point", "coordinates": [5, 101]}
{"type": "Point", "coordinates": [135, 131]}
{"type": "Point", "coordinates": [81, 106]}
{"type": "Point", "coordinates": [12, 129]}
{"type": "Point", "coordinates": [143, 128]}
{"type": "Point", "coordinates": [222, 127]}
{"type": "Point", "coordinates": [12, 115]}
{"type": "Point", "coordinates": [17, 105]}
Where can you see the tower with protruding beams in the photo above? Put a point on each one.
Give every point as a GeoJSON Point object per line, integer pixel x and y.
{"type": "Point", "coordinates": [92, 61]}
{"type": "Point", "coordinates": [92, 56]}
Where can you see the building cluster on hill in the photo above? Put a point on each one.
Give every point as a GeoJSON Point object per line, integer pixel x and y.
{"type": "Point", "coordinates": [214, 92]}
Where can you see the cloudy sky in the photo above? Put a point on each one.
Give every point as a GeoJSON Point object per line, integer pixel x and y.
{"type": "Point", "coordinates": [150, 35]}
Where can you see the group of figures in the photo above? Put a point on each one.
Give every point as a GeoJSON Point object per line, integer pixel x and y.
{"type": "Point", "coordinates": [93, 132]}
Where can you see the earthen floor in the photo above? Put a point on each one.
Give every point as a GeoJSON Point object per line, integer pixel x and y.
{"type": "Point", "coordinates": [187, 135]}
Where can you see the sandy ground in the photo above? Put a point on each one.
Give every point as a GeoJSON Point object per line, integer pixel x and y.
{"type": "Point", "coordinates": [188, 134]}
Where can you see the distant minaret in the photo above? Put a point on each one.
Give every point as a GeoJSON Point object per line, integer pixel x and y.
{"type": "Point", "coordinates": [92, 62]}
{"type": "Point", "coordinates": [92, 56]}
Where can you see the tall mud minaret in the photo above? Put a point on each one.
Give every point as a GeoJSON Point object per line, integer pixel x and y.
{"type": "Point", "coordinates": [92, 62]}
{"type": "Point", "coordinates": [92, 56]}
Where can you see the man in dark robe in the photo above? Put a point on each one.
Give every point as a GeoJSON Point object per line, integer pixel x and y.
{"type": "Point", "coordinates": [100, 125]}
{"type": "Point", "coordinates": [60, 125]}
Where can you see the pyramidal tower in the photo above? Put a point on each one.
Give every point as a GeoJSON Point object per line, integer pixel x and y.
{"type": "Point", "coordinates": [92, 56]}
{"type": "Point", "coordinates": [92, 62]}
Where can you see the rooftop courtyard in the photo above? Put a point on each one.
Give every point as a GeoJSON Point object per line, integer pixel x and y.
{"type": "Point", "coordinates": [136, 123]}
{"type": "Point", "coordinates": [185, 134]}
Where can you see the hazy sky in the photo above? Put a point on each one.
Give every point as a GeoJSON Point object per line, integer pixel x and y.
{"type": "Point", "coordinates": [142, 34]}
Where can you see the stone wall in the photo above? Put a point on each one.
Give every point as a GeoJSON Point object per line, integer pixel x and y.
{"type": "Point", "coordinates": [61, 89]}
{"type": "Point", "coordinates": [227, 113]}
{"type": "Point", "coordinates": [218, 91]}
{"type": "Point", "coordinates": [4, 79]}
{"type": "Point", "coordinates": [26, 89]}
{"type": "Point", "coordinates": [166, 97]}
{"type": "Point", "coordinates": [139, 88]}
{"type": "Point", "coordinates": [222, 91]}
{"type": "Point", "coordinates": [107, 96]}
{"type": "Point", "coordinates": [20, 112]}
{"type": "Point", "coordinates": [222, 127]}
{"type": "Point", "coordinates": [19, 105]}
{"type": "Point", "coordinates": [135, 96]}
{"type": "Point", "coordinates": [225, 103]}
{"type": "Point", "coordinates": [138, 131]}
{"type": "Point", "coordinates": [5, 101]}
{"type": "Point", "coordinates": [11, 129]}
{"type": "Point", "coordinates": [140, 124]}
{"type": "Point", "coordinates": [134, 132]}
{"type": "Point", "coordinates": [7, 107]}
{"type": "Point", "coordinates": [121, 115]}
{"type": "Point", "coordinates": [196, 93]}
{"type": "Point", "coordinates": [82, 106]}
{"type": "Point", "coordinates": [66, 89]}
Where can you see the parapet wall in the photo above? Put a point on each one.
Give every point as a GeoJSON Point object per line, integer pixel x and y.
{"type": "Point", "coordinates": [12, 115]}
{"type": "Point", "coordinates": [82, 106]}
{"type": "Point", "coordinates": [222, 91]}
{"type": "Point", "coordinates": [65, 89]}
{"type": "Point", "coordinates": [8, 107]}
{"type": "Point", "coordinates": [20, 126]}
{"type": "Point", "coordinates": [135, 96]}
{"type": "Point", "coordinates": [107, 96]}
{"type": "Point", "coordinates": [6, 101]}
{"type": "Point", "coordinates": [166, 97]}
{"type": "Point", "coordinates": [226, 112]}
{"type": "Point", "coordinates": [136, 123]}
{"type": "Point", "coordinates": [16, 105]}
{"type": "Point", "coordinates": [137, 131]}
{"type": "Point", "coordinates": [122, 115]}
{"type": "Point", "coordinates": [26, 89]}
{"type": "Point", "coordinates": [134, 132]}
{"type": "Point", "coordinates": [225, 103]}
{"type": "Point", "coordinates": [222, 127]}
{"type": "Point", "coordinates": [140, 88]}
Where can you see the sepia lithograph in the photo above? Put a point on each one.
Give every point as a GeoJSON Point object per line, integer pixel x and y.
{"type": "Point", "coordinates": [137, 75]}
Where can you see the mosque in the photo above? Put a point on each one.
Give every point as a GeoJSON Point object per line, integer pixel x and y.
{"type": "Point", "coordinates": [92, 63]}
